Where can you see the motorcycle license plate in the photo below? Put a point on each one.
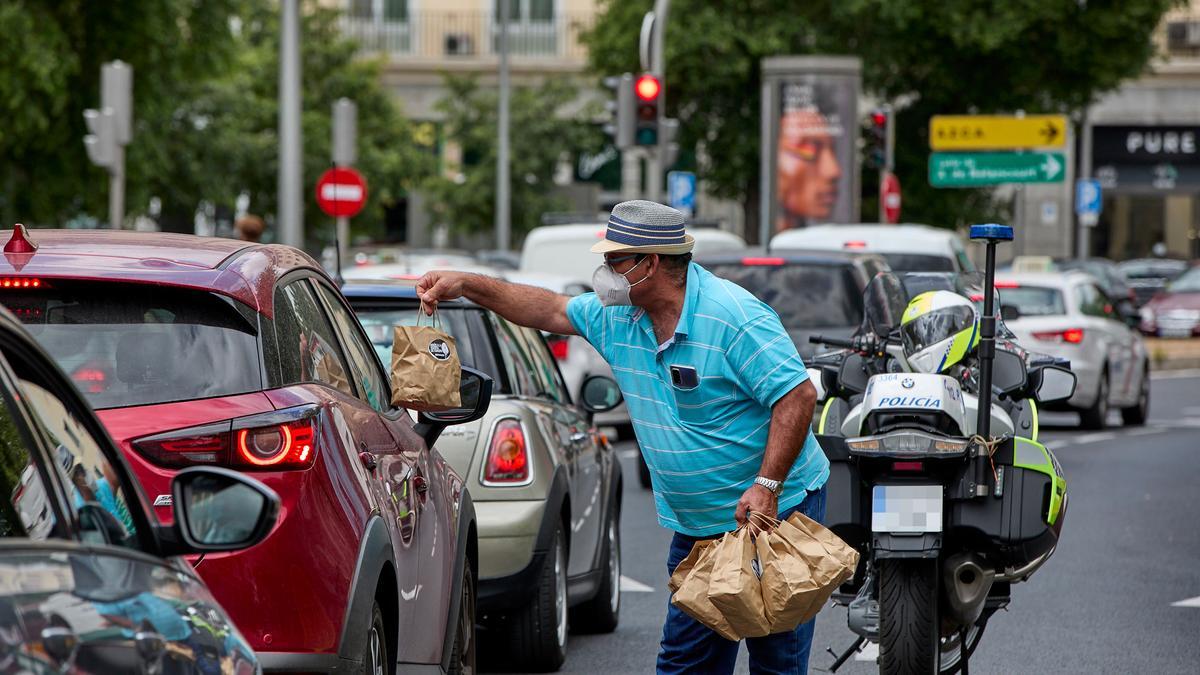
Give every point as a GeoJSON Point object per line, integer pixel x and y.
{"type": "Point", "coordinates": [906, 508]}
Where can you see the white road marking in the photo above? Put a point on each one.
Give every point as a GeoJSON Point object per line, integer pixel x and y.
{"type": "Point", "coordinates": [1190, 602]}
{"type": "Point", "coordinates": [1174, 374]}
{"type": "Point", "coordinates": [634, 586]}
{"type": "Point", "coordinates": [630, 454]}
{"type": "Point", "coordinates": [1098, 437]}
{"type": "Point", "coordinates": [869, 652]}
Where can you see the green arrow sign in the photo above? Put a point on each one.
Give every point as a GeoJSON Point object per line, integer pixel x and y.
{"type": "Point", "coordinates": [975, 169]}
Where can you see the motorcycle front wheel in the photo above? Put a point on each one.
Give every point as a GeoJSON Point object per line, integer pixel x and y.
{"type": "Point", "coordinates": [909, 629]}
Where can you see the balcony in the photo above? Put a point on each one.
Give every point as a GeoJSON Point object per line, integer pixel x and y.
{"type": "Point", "coordinates": [445, 37]}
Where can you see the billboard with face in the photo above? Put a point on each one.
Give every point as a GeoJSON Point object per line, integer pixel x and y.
{"type": "Point", "coordinates": [812, 107]}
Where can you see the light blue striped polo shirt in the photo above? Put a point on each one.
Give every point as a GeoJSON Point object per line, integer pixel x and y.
{"type": "Point", "coordinates": [704, 446]}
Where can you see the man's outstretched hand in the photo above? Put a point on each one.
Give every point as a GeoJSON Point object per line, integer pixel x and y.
{"type": "Point", "coordinates": [436, 286]}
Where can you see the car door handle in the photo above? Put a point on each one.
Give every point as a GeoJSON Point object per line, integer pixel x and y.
{"type": "Point", "coordinates": [368, 460]}
{"type": "Point", "coordinates": [420, 484]}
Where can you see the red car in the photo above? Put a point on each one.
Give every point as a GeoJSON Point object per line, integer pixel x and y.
{"type": "Point", "coordinates": [216, 352]}
{"type": "Point", "coordinates": [1175, 311]}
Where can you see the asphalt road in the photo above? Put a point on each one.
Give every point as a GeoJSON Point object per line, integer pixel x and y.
{"type": "Point", "coordinates": [1103, 604]}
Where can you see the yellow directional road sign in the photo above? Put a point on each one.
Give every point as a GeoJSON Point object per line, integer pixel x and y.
{"type": "Point", "coordinates": [996, 132]}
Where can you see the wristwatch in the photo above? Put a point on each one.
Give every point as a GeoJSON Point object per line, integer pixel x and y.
{"type": "Point", "coordinates": [774, 486]}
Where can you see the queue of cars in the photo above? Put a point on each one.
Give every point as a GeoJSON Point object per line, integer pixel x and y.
{"type": "Point", "coordinates": [296, 521]}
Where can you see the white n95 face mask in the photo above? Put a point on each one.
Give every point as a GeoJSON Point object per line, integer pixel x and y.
{"type": "Point", "coordinates": [612, 288]}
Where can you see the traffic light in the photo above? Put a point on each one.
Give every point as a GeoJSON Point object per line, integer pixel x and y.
{"type": "Point", "coordinates": [648, 92]}
{"type": "Point", "coordinates": [102, 141]}
{"type": "Point", "coordinates": [878, 145]}
{"type": "Point", "coordinates": [621, 126]}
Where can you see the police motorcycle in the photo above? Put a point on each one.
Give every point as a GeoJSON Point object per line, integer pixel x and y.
{"type": "Point", "coordinates": [936, 476]}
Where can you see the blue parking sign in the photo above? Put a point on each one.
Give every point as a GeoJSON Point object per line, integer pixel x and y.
{"type": "Point", "coordinates": [681, 192]}
{"type": "Point", "coordinates": [1087, 197]}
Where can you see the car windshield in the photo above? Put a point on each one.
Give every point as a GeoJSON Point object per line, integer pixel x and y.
{"type": "Point", "coordinates": [806, 296]}
{"type": "Point", "coordinates": [134, 344]}
{"type": "Point", "coordinates": [918, 262]}
{"type": "Point", "coordinates": [1188, 283]}
{"type": "Point", "coordinates": [1034, 300]}
{"type": "Point", "coordinates": [380, 322]}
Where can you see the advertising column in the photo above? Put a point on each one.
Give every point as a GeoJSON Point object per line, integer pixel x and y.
{"type": "Point", "coordinates": [810, 140]}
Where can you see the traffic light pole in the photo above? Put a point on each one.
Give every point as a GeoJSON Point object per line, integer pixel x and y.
{"type": "Point", "coordinates": [116, 188]}
{"type": "Point", "coordinates": [290, 210]}
{"type": "Point", "coordinates": [658, 68]}
{"type": "Point", "coordinates": [503, 223]}
{"type": "Point", "coordinates": [889, 163]}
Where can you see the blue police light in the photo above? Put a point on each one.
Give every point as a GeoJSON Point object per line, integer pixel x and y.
{"type": "Point", "coordinates": [992, 231]}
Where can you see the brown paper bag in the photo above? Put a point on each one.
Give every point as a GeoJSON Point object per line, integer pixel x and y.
{"type": "Point", "coordinates": [734, 586]}
{"type": "Point", "coordinates": [684, 568]}
{"type": "Point", "coordinates": [803, 563]}
{"type": "Point", "coordinates": [426, 373]}
{"type": "Point", "coordinates": [692, 595]}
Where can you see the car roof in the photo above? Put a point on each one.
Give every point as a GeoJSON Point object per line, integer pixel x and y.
{"type": "Point", "coordinates": [390, 290]}
{"type": "Point", "coordinates": [908, 238]}
{"type": "Point", "coordinates": [238, 269]}
{"type": "Point", "coordinates": [791, 255]}
{"type": "Point", "coordinates": [1057, 280]}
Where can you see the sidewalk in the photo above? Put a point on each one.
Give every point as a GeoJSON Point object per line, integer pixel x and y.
{"type": "Point", "coordinates": [1173, 354]}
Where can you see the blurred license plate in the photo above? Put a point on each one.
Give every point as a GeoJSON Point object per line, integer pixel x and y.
{"type": "Point", "coordinates": [906, 508]}
{"type": "Point", "coordinates": [1175, 332]}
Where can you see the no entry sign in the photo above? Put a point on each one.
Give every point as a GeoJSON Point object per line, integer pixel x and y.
{"type": "Point", "coordinates": [341, 192]}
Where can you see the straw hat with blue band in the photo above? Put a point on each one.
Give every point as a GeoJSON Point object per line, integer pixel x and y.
{"type": "Point", "coordinates": [640, 226]}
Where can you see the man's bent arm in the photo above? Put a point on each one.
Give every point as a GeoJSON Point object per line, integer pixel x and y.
{"type": "Point", "coordinates": [790, 419]}
{"type": "Point", "coordinates": [524, 305]}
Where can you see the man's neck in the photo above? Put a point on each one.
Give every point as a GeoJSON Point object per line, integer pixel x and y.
{"type": "Point", "coordinates": [664, 312]}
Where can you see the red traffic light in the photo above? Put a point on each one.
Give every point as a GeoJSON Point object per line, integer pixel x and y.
{"type": "Point", "coordinates": [879, 118]}
{"type": "Point", "coordinates": [647, 87]}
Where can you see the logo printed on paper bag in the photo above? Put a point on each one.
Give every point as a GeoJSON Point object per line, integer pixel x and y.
{"type": "Point", "coordinates": [439, 350]}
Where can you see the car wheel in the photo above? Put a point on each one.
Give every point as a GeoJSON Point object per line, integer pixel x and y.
{"type": "Point", "coordinates": [1137, 415]}
{"type": "Point", "coordinates": [644, 472]}
{"type": "Point", "coordinates": [1096, 416]}
{"type": "Point", "coordinates": [375, 656]}
{"type": "Point", "coordinates": [540, 630]}
{"type": "Point", "coordinates": [462, 659]}
{"type": "Point", "coordinates": [602, 613]}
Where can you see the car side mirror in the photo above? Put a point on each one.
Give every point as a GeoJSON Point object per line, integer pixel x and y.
{"type": "Point", "coordinates": [221, 510]}
{"type": "Point", "coordinates": [599, 394]}
{"type": "Point", "coordinates": [475, 392]}
{"type": "Point", "coordinates": [1009, 312]}
{"type": "Point", "coordinates": [1008, 372]}
{"type": "Point", "coordinates": [99, 526]}
{"type": "Point", "coordinates": [1054, 383]}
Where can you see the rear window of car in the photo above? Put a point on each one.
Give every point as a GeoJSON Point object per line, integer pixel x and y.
{"type": "Point", "coordinates": [917, 262]}
{"type": "Point", "coordinates": [136, 344]}
{"type": "Point", "coordinates": [1034, 300]}
{"type": "Point", "coordinates": [380, 322]}
{"type": "Point", "coordinates": [805, 296]}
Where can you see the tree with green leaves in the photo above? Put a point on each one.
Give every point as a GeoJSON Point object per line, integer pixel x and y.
{"type": "Point", "coordinates": [926, 56]}
{"type": "Point", "coordinates": [464, 198]}
{"type": "Point", "coordinates": [206, 77]}
{"type": "Point", "coordinates": [224, 134]}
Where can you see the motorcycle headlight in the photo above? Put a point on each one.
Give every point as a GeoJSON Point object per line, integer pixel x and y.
{"type": "Point", "coordinates": [906, 444]}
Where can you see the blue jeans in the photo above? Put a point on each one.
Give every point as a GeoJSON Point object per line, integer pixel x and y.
{"type": "Point", "coordinates": [688, 646]}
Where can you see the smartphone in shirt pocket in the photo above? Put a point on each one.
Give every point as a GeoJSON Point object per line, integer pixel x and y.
{"type": "Point", "coordinates": [684, 377]}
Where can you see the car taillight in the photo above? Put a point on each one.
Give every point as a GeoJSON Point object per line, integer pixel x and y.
{"type": "Point", "coordinates": [91, 378]}
{"type": "Point", "coordinates": [558, 347]}
{"type": "Point", "coordinates": [1007, 284]}
{"type": "Point", "coordinates": [855, 244]}
{"type": "Point", "coordinates": [508, 455]}
{"type": "Point", "coordinates": [1071, 335]}
{"type": "Point", "coordinates": [281, 440]}
{"type": "Point", "coordinates": [9, 282]}
{"type": "Point", "coordinates": [763, 261]}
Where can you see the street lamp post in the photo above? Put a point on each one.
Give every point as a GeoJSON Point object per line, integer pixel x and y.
{"type": "Point", "coordinates": [290, 211]}
{"type": "Point", "coordinates": [503, 223]}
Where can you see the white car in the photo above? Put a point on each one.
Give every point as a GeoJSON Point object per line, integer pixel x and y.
{"type": "Point", "coordinates": [577, 358]}
{"type": "Point", "coordinates": [907, 248]}
{"type": "Point", "coordinates": [1068, 315]}
{"type": "Point", "coordinates": [566, 249]}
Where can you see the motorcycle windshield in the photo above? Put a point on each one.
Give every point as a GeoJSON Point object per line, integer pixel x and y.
{"type": "Point", "coordinates": [884, 301]}
{"type": "Point", "coordinates": [886, 296]}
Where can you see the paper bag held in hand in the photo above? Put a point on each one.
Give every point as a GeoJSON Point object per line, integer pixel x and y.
{"type": "Point", "coordinates": [692, 594]}
{"type": "Point", "coordinates": [734, 585]}
{"type": "Point", "coordinates": [426, 373]}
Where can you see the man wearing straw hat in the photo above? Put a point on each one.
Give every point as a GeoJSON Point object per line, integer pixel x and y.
{"type": "Point", "coordinates": [718, 396]}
